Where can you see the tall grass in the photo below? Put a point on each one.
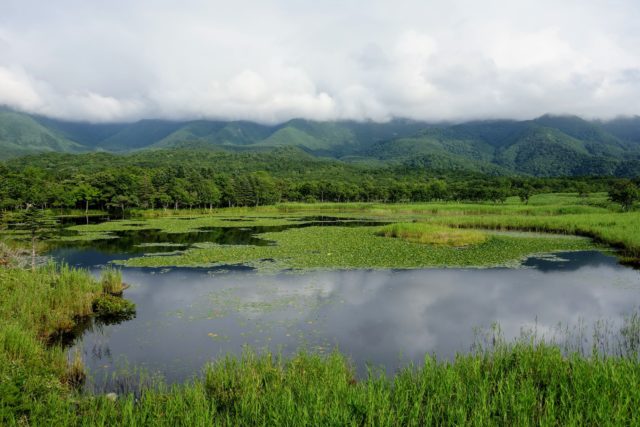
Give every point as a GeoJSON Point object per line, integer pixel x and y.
{"type": "Point", "coordinates": [111, 281]}
{"type": "Point", "coordinates": [49, 300]}
{"type": "Point", "coordinates": [12, 255]}
{"type": "Point", "coordinates": [35, 307]}
{"type": "Point", "coordinates": [522, 383]}
{"type": "Point", "coordinates": [433, 235]}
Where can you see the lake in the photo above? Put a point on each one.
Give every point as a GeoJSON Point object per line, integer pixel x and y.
{"type": "Point", "coordinates": [379, 318]}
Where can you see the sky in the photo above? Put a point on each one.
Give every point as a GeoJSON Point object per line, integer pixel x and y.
{"type": "Point", "coordinates": [273, 60]}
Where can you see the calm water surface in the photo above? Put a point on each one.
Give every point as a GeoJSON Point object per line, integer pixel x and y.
{"type": "Point", "coordinates": [385, 318]}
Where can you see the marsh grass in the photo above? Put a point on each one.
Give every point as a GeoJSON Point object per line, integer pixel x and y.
{"type": "Point", "coordinates": [109, 306]}
{"type": "Point", "coordinates": [111, 281]}
{"type": "Point", "coordinates": [48, 300]}
{"type": "Point", "coordinates": [12, 255]}
{"type": "Point", "coordinates": [433, 235]}
{"type": "Point", "coordinates": [524, 382]}
{"type": "Point", "coordinates": [75, 375]}
{"type": "Point", "coordinates": [36, 308]}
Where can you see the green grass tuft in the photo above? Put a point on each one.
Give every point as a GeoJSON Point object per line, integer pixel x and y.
{"type": "Point", "coordinates": [108, 305]}
{"type": "Point", "coordinates": [111, 280]}
{"type": "Point", "coordinates": [433, 235]}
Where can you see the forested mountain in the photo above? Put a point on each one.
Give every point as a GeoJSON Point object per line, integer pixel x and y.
{"type": "Point", "coordinates": [625, 128]}
{"type": "Point", "coordinates": [547, 146]}
{"type": "Point", "coordinates": [20, 134]}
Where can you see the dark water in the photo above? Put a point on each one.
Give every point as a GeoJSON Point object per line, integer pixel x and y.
{"type": "Point", "coordinates": [186, 317]}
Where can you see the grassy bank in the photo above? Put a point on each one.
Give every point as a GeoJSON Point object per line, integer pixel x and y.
{"type": "Point", "coordinates": [517, 384]}
{"type": "Point", "coordinates": [35, 309]}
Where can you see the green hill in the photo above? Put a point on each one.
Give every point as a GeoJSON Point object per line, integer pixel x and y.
{"type": "Point", "coordinates": [546, 146]}
{"type": "Point", "coordinates": [20, 135]}
{"type": "Point", "coordinates": [625, 128]}
{"type": "Point", "coordinates": [538, 147]}
{"type": "Point", "coordinates": [139, 135]}
{"type": "Point", "coordinates": [83, 133]}
{"type": "Point", "coordinates": [216, 133]}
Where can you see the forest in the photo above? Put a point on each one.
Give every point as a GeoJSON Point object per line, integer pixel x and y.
{"type": "Point", "coordinates": [175, 179]}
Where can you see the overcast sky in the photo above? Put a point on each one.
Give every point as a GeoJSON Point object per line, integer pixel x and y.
{"type": "Point", "coordinates": [272, 60]}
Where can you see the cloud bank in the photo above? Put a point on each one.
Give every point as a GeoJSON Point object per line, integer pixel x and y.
{"type": "Point", "coordinates": [272, 60]}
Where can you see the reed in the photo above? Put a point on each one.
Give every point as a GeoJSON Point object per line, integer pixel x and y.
{"type": "Point", "coordinates": [111, 281]}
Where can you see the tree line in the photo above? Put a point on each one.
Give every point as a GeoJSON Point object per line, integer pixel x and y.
{"type": "Point", "coordinates": [183, 187]}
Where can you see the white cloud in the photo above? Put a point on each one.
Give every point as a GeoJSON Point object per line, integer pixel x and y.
{"type": "Point", "coordinates": [277, 59]}
{"type": "Point", "coordinates": [17, 90]}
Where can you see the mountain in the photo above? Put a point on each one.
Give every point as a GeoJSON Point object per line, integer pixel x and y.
{"type": "Point", "coordinates": [624, 128]}
{"type": "Point", "coordinates": [139, 135]}
{"type": "Point", "coordinates": [546, 146]}
{"type": "Point", "coordinates": [216, 133]}
{"type": "Point", "coordinates": [21, 134]}
{"type": "Point", "coordinates": [88, 134]}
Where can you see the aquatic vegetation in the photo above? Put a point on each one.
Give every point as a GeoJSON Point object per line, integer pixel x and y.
{"type": "Point", "coordinates": [569, 214]}
{"type": "Point", "coordinates": [84, 237]}
{"type": "Point", "coordinates": [185, 224]}
{"type": "Point", "coordinates": [34, 307]}
{"type": "Point", "coordinates": [110, 306]}
{"type": "Point", "coordinates": [359, 247]}
{"type": "Point", "coordinates": [49, 299]}
{"type": "Point", "coordinates": [433, 235]}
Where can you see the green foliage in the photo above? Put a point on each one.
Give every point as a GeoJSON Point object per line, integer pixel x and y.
{"type": "Point", "coordinates": [625, 128]}
{"type": "Point", "coordinates": [48, 299]}
{"type": "Point", "coordinates": [626, 193]}
{"type": "Point", "coordinates": [20, 134]}
{"type": "Point", "coordinates": [197, 179]}
{"type": "Point", "coordinates": [37, 224]}
{"type": "Point", "coordinates": [527, 382]}
{"type": "Point", "coordinates": [34, 307]}
{"type": "Point", "coordinates": [110, 306]}
{"type": "Point", "coordinates": [111, 281]}
{"type": "Point", "coordinates": [35, 221]}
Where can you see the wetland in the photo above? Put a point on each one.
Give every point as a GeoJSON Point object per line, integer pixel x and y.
{"type": "Point", "coordinates": [414, 314]}
{"type": "Point", "coordinates": [210, 286]}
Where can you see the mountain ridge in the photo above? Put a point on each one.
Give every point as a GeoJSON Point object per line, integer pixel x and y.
{"type": "Point", "coordinates": [546, 146]}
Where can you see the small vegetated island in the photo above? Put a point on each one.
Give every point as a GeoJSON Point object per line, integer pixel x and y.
{"type": "Point", "coordinates": [276, 210]}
